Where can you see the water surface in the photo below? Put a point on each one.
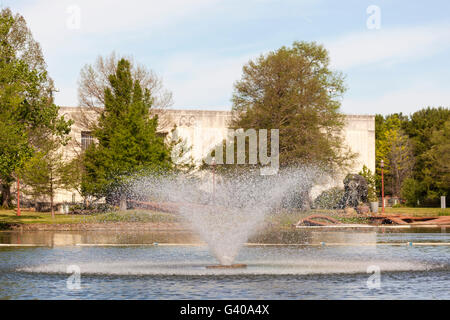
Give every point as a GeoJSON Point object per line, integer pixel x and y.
{"type": "Point", "coordinates": [178, 271]}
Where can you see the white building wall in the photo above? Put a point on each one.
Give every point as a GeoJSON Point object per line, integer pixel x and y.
{"type": "Point", "coordinates": [203, 129]}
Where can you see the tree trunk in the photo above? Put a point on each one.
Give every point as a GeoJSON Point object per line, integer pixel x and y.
{"type": "Point", "coordinates": [51, 196]}
{"type": "Point", "coordinates": [395, 192]}
{"type": "Point", "coordinates": [6, 195]}
{"type": "Point", "coordinates": [51, 206]}
{"type": "Point", "coordinates": [123, 202]}
{"type": "Point", "coordinates": [51, 193]}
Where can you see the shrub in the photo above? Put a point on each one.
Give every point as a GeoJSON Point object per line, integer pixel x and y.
{"type": "Point", "coordinates": [329, 199]}
{"type": "Point", "coordinates": [91, 209]}
{"type": "Point", "coordinates": [371, 187]}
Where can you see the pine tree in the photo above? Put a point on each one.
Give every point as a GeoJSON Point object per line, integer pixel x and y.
{"type": "Point", "coordinates": [127, 139]}
{"type": "Point", "coordinates": [438, 162]}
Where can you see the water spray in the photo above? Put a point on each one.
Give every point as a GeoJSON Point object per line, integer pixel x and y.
{"type": "Point", "coordinates": [226, 216]}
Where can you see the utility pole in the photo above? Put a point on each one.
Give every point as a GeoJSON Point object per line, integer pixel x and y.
{"type": "Point", "coordinates": [382, 185]}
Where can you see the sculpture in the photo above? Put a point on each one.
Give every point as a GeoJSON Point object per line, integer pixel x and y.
{"type": "Point", "coordinates": [355, 191]}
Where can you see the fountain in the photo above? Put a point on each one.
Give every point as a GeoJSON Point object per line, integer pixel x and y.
{"type": "Point", "coordinates": [158, 265]}
{"type": "Point", "coordinates": [226, 214]}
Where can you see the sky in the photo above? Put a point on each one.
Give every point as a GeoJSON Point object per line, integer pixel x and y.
{"type": "Point", "coordinates": [394, 54]}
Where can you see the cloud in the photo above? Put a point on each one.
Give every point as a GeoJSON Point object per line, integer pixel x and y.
{"type": "Point", "coordinates": [67, 95]}
{"type": "Point", "coordinates": [202, 74]}
{"type": "Point", "coordinates": [203, 80]}
{"type": "Point", "coordinates": [405, 100]}
{"type": "Point", "coordinates": [389, 45]}
{"type": "Point", "coordinates": [52, 21]}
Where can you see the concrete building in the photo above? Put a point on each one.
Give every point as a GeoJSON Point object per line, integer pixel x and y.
{"type": "Point", "coordinates": [202, 129]}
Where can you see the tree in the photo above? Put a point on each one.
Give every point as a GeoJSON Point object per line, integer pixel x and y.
{"type": "Point", "coordinates": [14, 150]}
{"type": "Point", "coordinates": [127, 139]}
{"type": "Point", "coordinates": [94, 79]}
{"type": "Point", "coordinates": [47, 171]}
{"type": "Point", "coordinates": [371, 186]}
{"type": "Point", "coordinates": [411, 190]}
{"type": "Point", "coordinates": [293, 90]}
{"type": "Point", "coordinates": [27, 112]}
{"type": "Point", "coordinates": [438, 161]}
{"type": "Point", "coordinates": [424, 130]}
{"type": "Point", "coordinates": [418, 145]}
{"type": "Point", "coordinates": [401, 159]}
{"type": "Point", "coordinates": [392, 146]}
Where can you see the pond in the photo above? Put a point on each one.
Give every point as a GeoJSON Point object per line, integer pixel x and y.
{"type": "Point", "coordinates": [172, 265]}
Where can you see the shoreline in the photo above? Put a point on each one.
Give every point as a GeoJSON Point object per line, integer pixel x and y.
{"type": "Point", "coordinates": [147, 220]}
{"type": "Point", "coordinates": [105, 226]}
{"type": "Point", "coordinates": [180, 227]}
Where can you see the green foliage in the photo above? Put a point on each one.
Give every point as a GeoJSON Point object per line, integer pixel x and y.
{"type": "Point", "coordinates": [294, 90]}
{"type": "Point", "coordinates": [371, 184]}
{"type": "Point", "coordinates": [411, 191]}
{"type": "Point", "coordinates": [127, 139]}
{"type": "Point", "coordinates": [394, 147]}
{"type": "Point", "coordinates": [421, 152]}
{"type": "Point", "coordinates": [181, 153]}
{"type": "Point", "coordinates": [91, 209]}
{"type": "Point", "coordinates": [14, 149]}
{"type": "Point", "coordinates": [437, 162]}
{"type": "Point", "coordinates": [426, 129]}
{"type": "Point", "coordinates": [46, 171]}
{"type": "Point", "coordinates": [27, 112]}
{"type": "Point", "coordinates": [329, 199]}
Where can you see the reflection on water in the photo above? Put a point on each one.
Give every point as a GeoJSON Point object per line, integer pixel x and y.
{"type": "Point", "coordinates": [288, 236]}
{"type": "Point", "coordinates": [71, 238]}
{"type": "Point", "coordinates": [178, 272]}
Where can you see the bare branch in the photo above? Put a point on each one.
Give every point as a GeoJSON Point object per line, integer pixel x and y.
{"type": "Point", "coordinates": [94, 79]}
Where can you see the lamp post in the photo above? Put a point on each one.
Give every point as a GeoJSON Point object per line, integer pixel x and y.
{"type": "Point", "coordinates": [382, 185]}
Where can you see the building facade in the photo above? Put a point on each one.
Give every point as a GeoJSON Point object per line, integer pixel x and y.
{"type": "Point", "coordinates": [203, 129]}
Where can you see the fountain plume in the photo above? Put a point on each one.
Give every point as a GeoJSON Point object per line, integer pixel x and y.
{"type": "Point", "coordinates": [226, 219]}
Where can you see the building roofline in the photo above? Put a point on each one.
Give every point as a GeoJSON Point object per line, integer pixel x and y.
{"type": "Point", "coordinates": [223, 112]}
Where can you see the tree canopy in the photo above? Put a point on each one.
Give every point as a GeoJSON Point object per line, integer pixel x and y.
{"type": "Point", "coordinates": [94, 79]}
{"type": "Point", "coordinates": [127, 140]}
{"type": "Point", "coordinates": [418, 144]}
{"type": "Point", "coordinates": [27, 112]}
{"type": "Point", "coordinates": [294, 90]}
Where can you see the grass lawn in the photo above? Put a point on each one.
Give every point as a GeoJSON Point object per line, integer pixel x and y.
{"type": "Point", "coordinates": [284, 219]}
{"type": "Point", "coordinates": [288, 218]}
{"type": "Point", "coordinates": [418, 211]}
{"type": "Point", "coordinates": [28, 217]}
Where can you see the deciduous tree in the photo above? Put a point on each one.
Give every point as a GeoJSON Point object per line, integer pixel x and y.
{"type": "Point", "coordinates": [94, 79]}
{"type": "Point", "coordinates": [47, 171]}
{"type": "Point", "coordinates": [27, 112]}
{"type": "Point", "coordinates": [294, 90]}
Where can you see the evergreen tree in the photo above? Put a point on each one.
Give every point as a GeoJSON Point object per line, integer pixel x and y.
{"type": "Point", "coordinates": [127, 140]}
{"type": "Point", "coordinates": [415, 148]}
{"type": "Point", "coordinates": [426, 129]}
{"type": "Point", "coordinates": [437, 160]}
